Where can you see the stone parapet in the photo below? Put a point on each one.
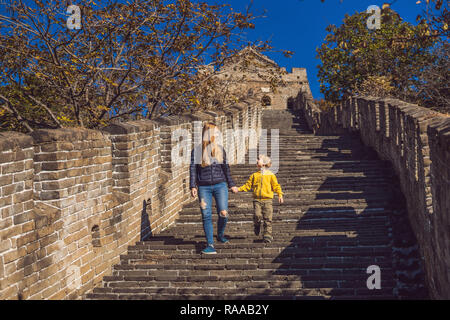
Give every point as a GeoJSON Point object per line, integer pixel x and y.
{"type": "Point", "coordinates": [416, 141]}
{"type": "Point", "coordinates": [72, 200]}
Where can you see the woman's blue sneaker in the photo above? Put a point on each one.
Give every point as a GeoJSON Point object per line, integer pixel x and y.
{"type": "Point", "coordinates": [209, 250]}
{"type": "Point", "coordinates": [222, 239]}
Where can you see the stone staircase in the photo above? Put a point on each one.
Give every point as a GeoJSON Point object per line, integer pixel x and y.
{"type": "Point", "coordinates": [343, 212]}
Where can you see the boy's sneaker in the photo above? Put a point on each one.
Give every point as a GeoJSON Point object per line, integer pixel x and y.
{"type": "Point", "coordinates": [223, 239]}
{"type": "Point", "coordinates": [257, 228]}
{"type": "Point", "coordinates": [209, 250]}
{"type": "Point", "coordinates": [267, 239]}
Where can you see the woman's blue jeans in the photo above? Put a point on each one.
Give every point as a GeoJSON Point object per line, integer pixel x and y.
{"type": "Point", "coordinates": [205, 194]}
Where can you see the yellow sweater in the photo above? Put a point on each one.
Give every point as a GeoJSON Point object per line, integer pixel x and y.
{"type": "Point", "coordinates": [263, 183]}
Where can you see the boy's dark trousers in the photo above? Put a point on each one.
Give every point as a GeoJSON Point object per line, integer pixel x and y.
{"type": "Point", "coordinates": [263, 212]}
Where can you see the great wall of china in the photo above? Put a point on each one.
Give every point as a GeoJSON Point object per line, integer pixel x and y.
{"type": "Point", "coordinates": [76, 204]}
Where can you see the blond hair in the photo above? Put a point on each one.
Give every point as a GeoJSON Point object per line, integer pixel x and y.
{"type": "Point", "coordinates": [265, 160]}
{"type": "Point", "coordinates": [210, 148]}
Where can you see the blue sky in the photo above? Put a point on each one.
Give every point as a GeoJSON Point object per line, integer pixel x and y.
{"type": "Point", "coordinates": [299, 26]}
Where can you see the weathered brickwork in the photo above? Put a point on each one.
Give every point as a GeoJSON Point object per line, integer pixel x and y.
{"type": "Point", "coordinates": [417, 143]}
{"type": "Point", "coordinates": [73, 200]}
{"type": "Point", "coordinates": [258, 71]}
{"type": "Point", "coordinates": [341, 214]}
{"type": "Point", "coordinates": [18, 246]}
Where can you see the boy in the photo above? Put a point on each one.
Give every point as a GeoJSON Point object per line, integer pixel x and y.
{"type": "Point", "coordinates": [263, 183]}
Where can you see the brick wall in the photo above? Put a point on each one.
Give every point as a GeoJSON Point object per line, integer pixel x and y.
{"type": "Point", "coordinates": [17, 253]}
{"type": "Point", "coordinates": [72, 200]}
{"type": "Point", "coordinates": [417, 143]}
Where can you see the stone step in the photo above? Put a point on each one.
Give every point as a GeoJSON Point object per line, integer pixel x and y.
{"type": "Point", "coordinates": [323, 178]}
{"type": "Point", "coordinates": [256, 264]}
{"type": "Point", "coordinates": [162, 293]}
{"type": "Point", "coordinates": [118, 283]}
{"type": "Point", "coordinates": [247, 243]}
{"type": "Point", "coordinates": [327, 214]}
{"type": "Point", "coordinates": [369, 193]}
{"type": "Point", "coordinates": [194, 237]}
{"type": "Point", "coordinates": [289, 189]}
{"type": "Point", "coordinates": [245, 223]}
{"type": "Point", "coordinates": [332, 188]}
{"type": "Point", "coordinates": [327, 180]}
{"type": "Point", "coordinates": [293, 200]}
{"type": "Point", "coordinates": [289, 150]}
{"type": "Point", "coordinates": [348, 274]}
{"type": "Point", "coordinates": [326, 153]}
{"type": "Point", "coordinates": [292, 145]}
{"type": "Point", "coordinates": [291, 215]}
{"type": "Point", "coordinates": [306, 170]}
{"type": "Point", "coordinates": [198, 242]}
{"type": "Point", "coordinates": [316, 164]}
{"type": "Point", "coordinates": [317, 160]}
{"type": "Point", "coordinates": [177, 238]}
{"type": "Point", "coordinates": [254, 259]}
{"type": "Point", "coordinates": [334, 223]}
{"type": "Point", "coordinates": [246, 226]}
{"type": "Point", "coordinates": [301, 170]}
{"type": "Point", "coordinates": [247, 294]}
{"type": "Point", "coordinates": [225, 279]}
{"type": "Point", "coordinates": [282, 212]}
{"type": "Point", "coordinates": [264, 252]}
{"type": "Point", "coordinates": [245, 239]}
{"type": "Point", "coordinates": [325, 156]}
{"type": "Point", "coordinates": [320, 176]}
{"type": "Point", "coordinates": [257, 288]}
{"type": "Point", "coordinates": [237, 229]}
{"type": "Point", "coordinates": [300, 143]}
{"type": "Point", "coordinates": [310, 136]}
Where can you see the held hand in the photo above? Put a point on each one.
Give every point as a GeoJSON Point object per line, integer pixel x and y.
{"type": "Point", "coordinates": [235, 189]}
{"type": "Point", "coordinates": [194, 192]}
{"type": "Point", "coordinates": [280, 200]}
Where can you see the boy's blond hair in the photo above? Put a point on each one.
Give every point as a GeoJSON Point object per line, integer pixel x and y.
{"type": "Point", "coordinates": [266, 161]}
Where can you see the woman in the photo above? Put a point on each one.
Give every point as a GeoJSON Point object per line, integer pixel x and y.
{"type": "Point", "coordinates": [210, 177]}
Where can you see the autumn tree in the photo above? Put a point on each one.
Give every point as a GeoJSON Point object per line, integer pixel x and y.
{"type": "Point", "coordinates": [400, 60]}
{"type": "Point", "coordinates": [435, 15]}
{"type": "Point", "coordinates": [352, 52]}
{"type": "Point", "coordinates": [433, 90]}
{"type": "Point", "coordinates": [139, 58]}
